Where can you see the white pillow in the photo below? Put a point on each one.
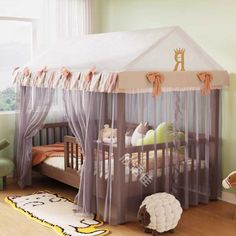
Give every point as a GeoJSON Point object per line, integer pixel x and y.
{"type": "Point", "coordinates": [139, 133]}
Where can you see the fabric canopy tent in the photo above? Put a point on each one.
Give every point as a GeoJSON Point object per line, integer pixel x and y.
{"type": "Point", "coordinates": [107, 79]}
{"type": "Point", "coordinates": [130, 55]}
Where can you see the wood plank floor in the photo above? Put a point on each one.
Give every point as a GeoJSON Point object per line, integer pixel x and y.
{"type": "Point", "coordinates": [205, 220]}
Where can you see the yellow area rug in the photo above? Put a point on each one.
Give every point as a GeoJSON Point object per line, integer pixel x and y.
{"type": "Point", "coordinates": [56, 212]}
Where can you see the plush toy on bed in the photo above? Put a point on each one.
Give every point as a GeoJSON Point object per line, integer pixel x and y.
{"type": "Point", "coordinates": [159, 212]}
{"type": "Point", "coordinates": [164, 132]}
{"type": "Point", "coordinates": [108, 135]}
{"type": "Point", "coordinates": [139, 133]}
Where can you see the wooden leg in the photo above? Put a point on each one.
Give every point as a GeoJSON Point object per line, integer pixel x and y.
{"type": "Point", "coordinates": [4, 180]}
{"type": "Point", "coordinates": [148, 231]}
{"type": "Point", "coordinates": [1, 183]}
{"type": "Point", "coordinates": [154, 233]}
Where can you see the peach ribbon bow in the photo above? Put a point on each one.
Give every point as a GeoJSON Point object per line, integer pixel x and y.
{"type": "Point", "coordinates": [26, 72]}
{"type": "Point", "coordinates": [42, 72]}
{"type": "Point", "coordinates": [206, 78]}
{"type": "Point", "coordinates": [65, 73]}
{"type": "Point", "coordinates": [156, 79]}
{"type": "Point", "coordinates": [90, 74]}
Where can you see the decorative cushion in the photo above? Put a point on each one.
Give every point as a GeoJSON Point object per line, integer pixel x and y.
{"type": "Point", "coordinates": [139, 133]}
{"type": "Point", "coordinates": [164, 132]}
{"type": "Point", "coordinates": [6, 167]}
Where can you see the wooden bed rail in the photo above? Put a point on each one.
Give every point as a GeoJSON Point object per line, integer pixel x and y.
{"type": "Point", "coordinates": [72, 154]}
{"type": "Point", "coordinates": [51, 133]}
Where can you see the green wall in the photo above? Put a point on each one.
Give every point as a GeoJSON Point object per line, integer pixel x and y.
{"type": "Point", "coordinates": [211, 23]}
{"type": "Point", "coordinates": [7, 130]}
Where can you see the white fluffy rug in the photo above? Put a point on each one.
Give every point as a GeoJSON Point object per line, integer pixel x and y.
{"type": "Point", "coordinates": [56, 212]}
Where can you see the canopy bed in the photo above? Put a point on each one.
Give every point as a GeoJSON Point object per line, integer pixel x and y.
{"type": "Point", "coordinates": [142, 113]}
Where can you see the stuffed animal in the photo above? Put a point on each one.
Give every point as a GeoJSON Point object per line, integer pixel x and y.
{"type": "Point", "coordinates": [108, 135]}
{"type": "Point", "coordinates": [128, 137]}
{"type": "Point", "coordinates": [139, 133]}
{"type": "Point", "coordinates": [230, 182]}
{"type": "Point", "coordinates": [159, 212]}
{"type": "Point", "coordinates": [164, 132]}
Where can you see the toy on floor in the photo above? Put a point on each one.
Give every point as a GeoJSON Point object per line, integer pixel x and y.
{"type": "Point", "coordinates": [6, 165]}
{"type": "Point", "coordinates": [230, 182]}
{"type": "Point", "coordinates": [159, 212]}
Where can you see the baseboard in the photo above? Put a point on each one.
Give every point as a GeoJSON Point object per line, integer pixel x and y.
{"type": "Point", "coordinates": [228, 197]}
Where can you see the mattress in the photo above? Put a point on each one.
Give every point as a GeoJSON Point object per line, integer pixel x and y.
{"type": "Point", "coordinates": [58, 162]}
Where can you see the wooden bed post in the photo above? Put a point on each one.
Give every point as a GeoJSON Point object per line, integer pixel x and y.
{"type": "Point", "coordinates": [119, 168]}
{"type": "Point", "coordinates": [215, 175]}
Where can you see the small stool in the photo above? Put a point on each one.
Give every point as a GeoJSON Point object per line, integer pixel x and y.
{"type": "Point", "coordinates": [6, 167]}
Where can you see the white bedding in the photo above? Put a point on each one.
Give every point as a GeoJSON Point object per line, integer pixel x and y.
{"type": "Point", "coordinates": [58, 162]}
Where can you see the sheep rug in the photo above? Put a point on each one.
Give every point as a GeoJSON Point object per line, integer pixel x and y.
{"type": "Point", "coordinates": [56, 212]}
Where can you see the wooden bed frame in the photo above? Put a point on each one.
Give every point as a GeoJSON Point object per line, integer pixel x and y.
{"type": "Point", "coordinates": [60, 132]}
{"type": "Point", "coordinates": [73, 158]}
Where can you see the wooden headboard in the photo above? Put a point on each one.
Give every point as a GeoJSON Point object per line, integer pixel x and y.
{"type": "Point", "coordinates": [51, 133]}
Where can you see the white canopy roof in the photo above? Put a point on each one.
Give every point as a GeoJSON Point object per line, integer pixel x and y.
{"type": "Point", "coordinates": [134, 51]}
{"type": "Point", "coordinates": [151, 49]}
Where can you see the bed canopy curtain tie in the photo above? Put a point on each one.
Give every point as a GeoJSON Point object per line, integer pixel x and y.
{"type": "Point", "coordinates": [206, 78]}
{"type": "Point", "coordinates": [26, 72]}
{"type": "Point", "coordinates": [40, 77]}
{"type": "Point", "coordinates": [90, 74]}
{"type": "Point", "coordinates": [26, 76]}
{"type": "Point", "coordinates": [42, 73]}
{"type": "Point", "coordinates": [66, 75]}
{"type": "Point", "coordinates": [88, 77]}
{"type": "Point", "coordinates": [156, 79]}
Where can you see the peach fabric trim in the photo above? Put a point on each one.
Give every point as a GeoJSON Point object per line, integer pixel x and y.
{"type": "Point", "coordinates": [156, 79]}
{"type": "Point", "coordinates": [206, 78]}
{"type": "Point", "coordinates": [67, 76]}
{"type": "Point", "coordinates": [88, 78]}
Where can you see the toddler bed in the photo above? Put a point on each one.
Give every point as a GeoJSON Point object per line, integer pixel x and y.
{"type": "Point", "coordinates": [57, 154]}
{"type": "Point", "coordinates": [156, 75]}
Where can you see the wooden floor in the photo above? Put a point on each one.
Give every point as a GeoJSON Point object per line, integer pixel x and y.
{"type": "Point", "coordinates": [212, 219]}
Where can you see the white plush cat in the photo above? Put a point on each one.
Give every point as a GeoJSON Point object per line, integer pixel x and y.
{"type": "Point", "coordinates": [108, 135]}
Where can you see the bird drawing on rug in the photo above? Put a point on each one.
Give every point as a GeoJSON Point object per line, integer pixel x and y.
{"type": "Point", "coordinates": [230, 182]}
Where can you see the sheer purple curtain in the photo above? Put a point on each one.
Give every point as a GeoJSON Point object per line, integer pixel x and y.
{"type": "Point", "coordinates": [83, 115]}
{"type": "Point", "coordinates": [179, 154]}
{"type": "Point", "coordinates": [33, 107]}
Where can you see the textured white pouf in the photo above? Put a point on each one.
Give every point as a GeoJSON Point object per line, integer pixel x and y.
{"type": "Point", "coordinates": [159, 212]}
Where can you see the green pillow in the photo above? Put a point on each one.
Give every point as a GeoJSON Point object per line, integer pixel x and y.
{"type": "Point", "coordinates": [161, 131]}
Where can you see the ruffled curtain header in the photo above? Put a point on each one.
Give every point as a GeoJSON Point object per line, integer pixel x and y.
{"type": "Point", "coordinates": [66, 79]}
{"type": "Point", "coordinates": [123, 82]}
